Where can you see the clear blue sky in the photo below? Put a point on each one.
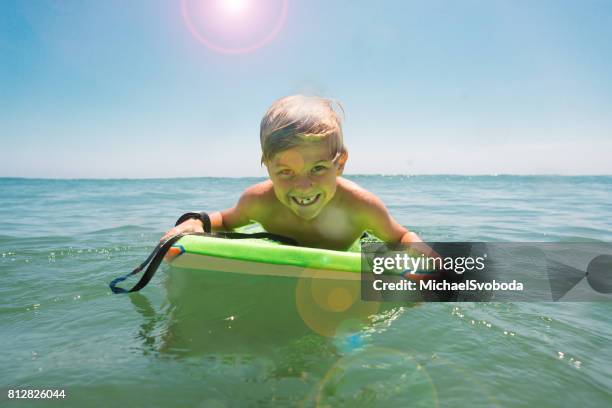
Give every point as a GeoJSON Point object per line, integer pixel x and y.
{"type": "Point", "coordinates": [124, 89]}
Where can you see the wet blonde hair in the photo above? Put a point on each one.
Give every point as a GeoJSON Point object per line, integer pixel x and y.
{"type": "Point", "coordinates": [296, 120]}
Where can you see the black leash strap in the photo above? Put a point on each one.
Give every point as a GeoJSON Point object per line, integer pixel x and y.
{"type": "Point", "coordinates": [202, 216]}
{"type": "Point", "coordinates": [155, 258]}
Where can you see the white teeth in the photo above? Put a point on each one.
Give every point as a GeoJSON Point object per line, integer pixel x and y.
{"type": "Point", "coordinates": [306, 200]}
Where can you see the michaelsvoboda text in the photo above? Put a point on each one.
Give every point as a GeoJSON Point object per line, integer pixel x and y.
{"type": "Point", "coordinates": [470, 284]}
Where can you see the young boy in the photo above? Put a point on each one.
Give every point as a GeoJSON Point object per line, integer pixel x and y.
{"type": "Point", "coordinates": [305, 197]}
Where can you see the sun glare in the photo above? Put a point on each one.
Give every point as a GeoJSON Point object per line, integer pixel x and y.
{"type": "Point", "coordinates": [234, 26]}
{"type": "Point", "coordinates": [235, 7]}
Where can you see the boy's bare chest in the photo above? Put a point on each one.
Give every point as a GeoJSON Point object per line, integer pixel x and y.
{"type": "Point", "coordinates": [331, 229]}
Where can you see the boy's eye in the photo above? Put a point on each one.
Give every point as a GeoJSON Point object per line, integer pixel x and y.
{"type": "Point", "coordinates": [284, 173]}
{"type": "Point", "coordinates": [318, 169]}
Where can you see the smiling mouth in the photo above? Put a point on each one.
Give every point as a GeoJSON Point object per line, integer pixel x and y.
{"type": "Point", "coordinates": [306, 201]}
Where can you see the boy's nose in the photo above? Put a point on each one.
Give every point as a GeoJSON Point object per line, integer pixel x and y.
{"type": "Point", "coordinates": [303, 183]}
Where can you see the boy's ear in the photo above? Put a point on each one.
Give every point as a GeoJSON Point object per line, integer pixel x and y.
{"type": "Point", "coordinates": [341, 161]}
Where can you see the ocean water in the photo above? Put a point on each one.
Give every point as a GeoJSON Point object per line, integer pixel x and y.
{"type": "Point", "coordinates": [232, 341]}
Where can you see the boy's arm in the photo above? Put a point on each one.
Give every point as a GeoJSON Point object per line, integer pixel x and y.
{"type": "Point", "coordinates": [377, 219]}
{"type": "Point", "coordinates": [234, 217]}
{"type": "Point", "coordinates": [231, 218]}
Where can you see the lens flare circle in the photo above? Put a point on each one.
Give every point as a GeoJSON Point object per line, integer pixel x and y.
{"type": "Point", "coordinates": [328, 306]}
{"type": "Point", "coordinates": [234, 7]}
{"type": "Point", "coordinates": [217, 23]}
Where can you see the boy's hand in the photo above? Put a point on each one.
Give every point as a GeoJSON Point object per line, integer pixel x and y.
{"type": "Point", "coordinates": [191, 225]}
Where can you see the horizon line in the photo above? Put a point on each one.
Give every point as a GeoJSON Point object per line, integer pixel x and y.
{"type": "Point", "coordinates": [348, 175]}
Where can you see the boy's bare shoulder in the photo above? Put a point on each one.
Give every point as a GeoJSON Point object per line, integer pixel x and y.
{"type": "Point", "coordinates": [365, 207]}
{"type": "Point", "coordinates": [369, 212]}
{"type": "Point", "coordinates": [356, 194]}
{"type": "Point", "coordinates": [257, 196]}
{"type": "Point", "coordinates": [252, 205]}
{"type": "Point", "coordinates": [259, 189]}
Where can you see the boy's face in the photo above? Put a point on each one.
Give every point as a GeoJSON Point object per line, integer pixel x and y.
{"type": "Point", "coordinates": [304, 178]}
